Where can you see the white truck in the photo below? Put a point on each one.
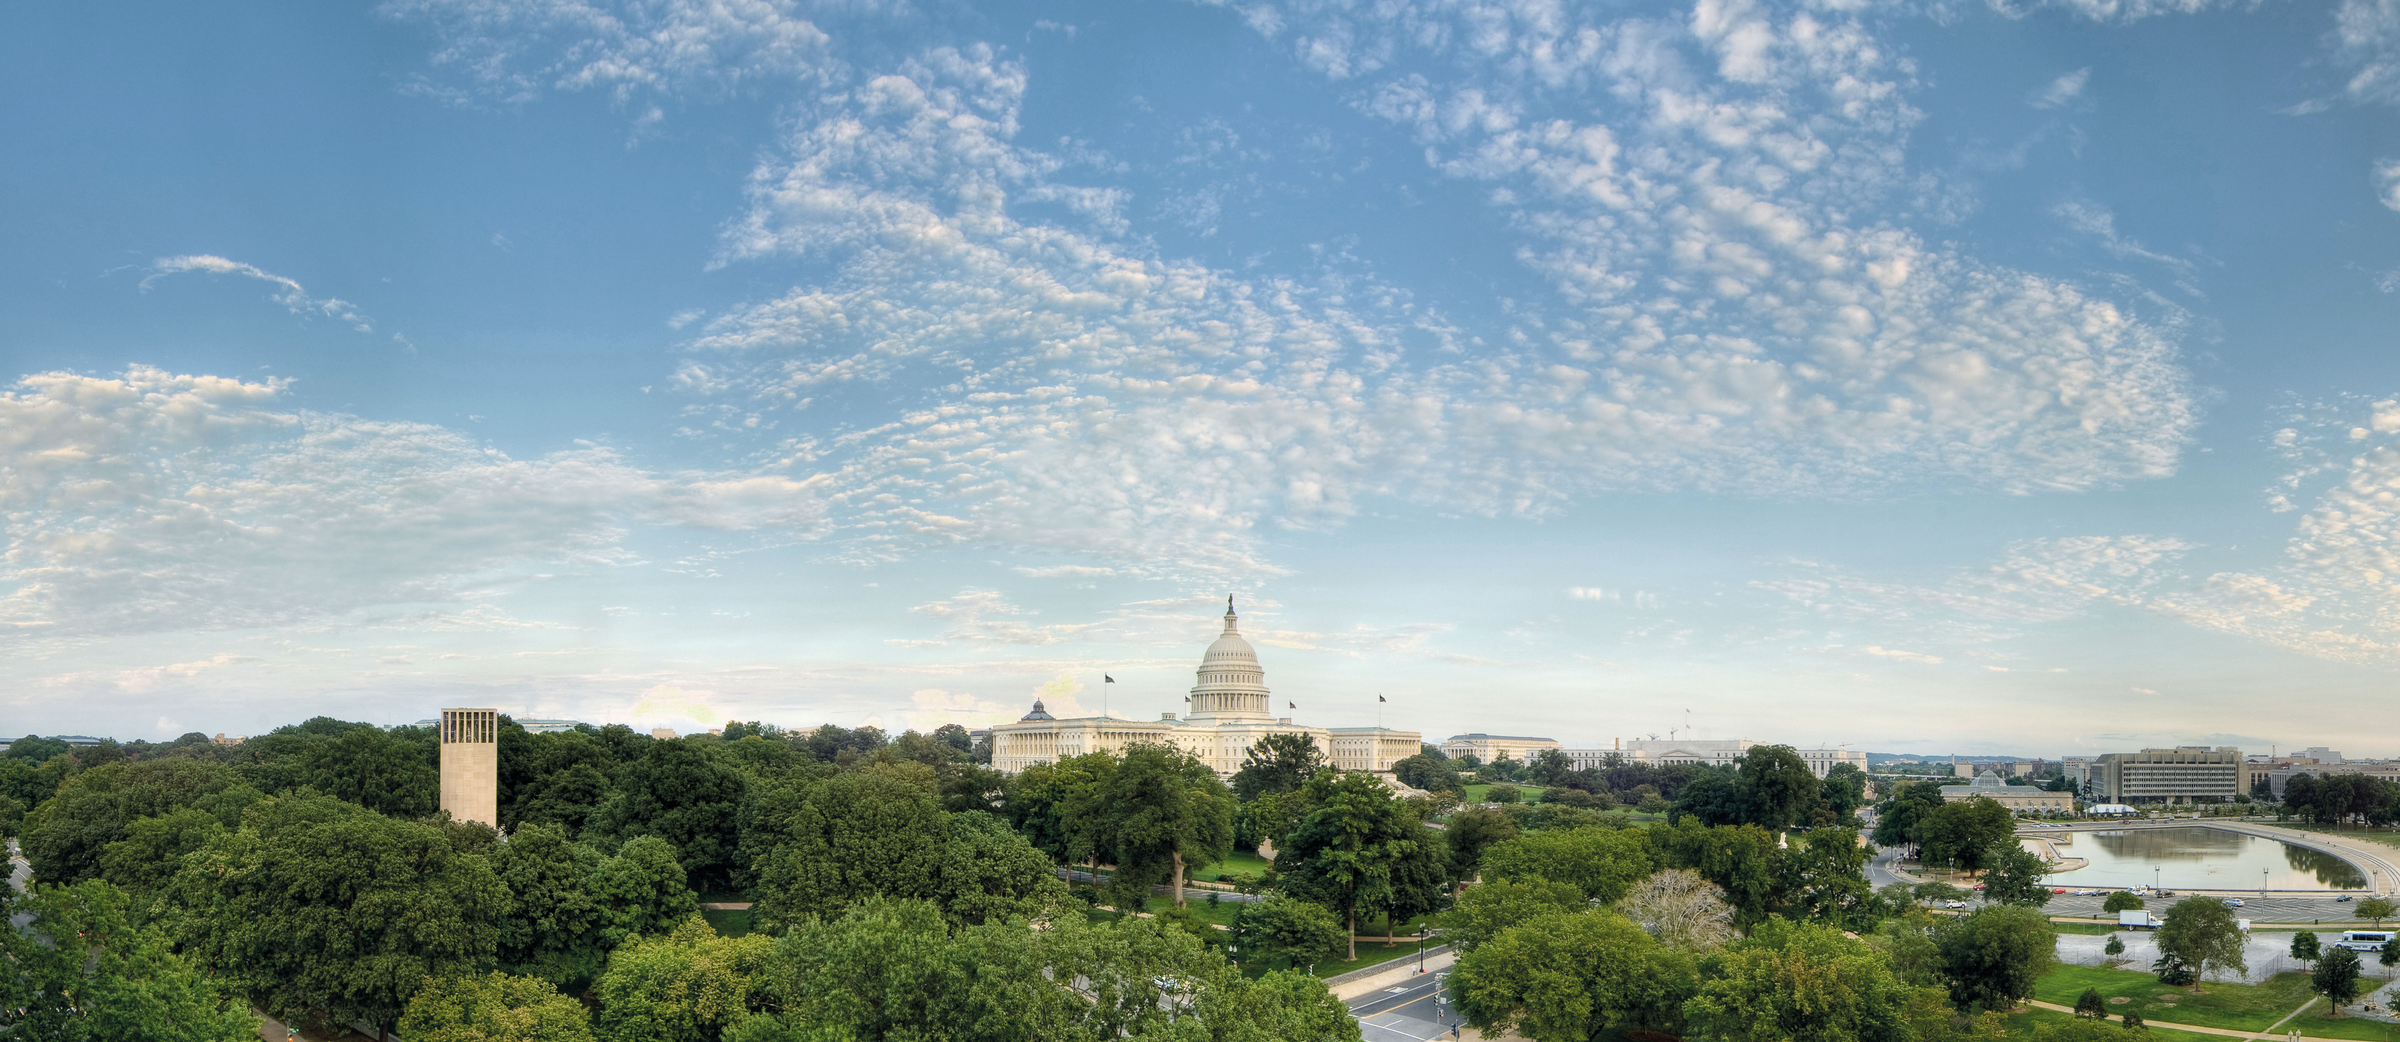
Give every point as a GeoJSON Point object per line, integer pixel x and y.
{"type": "Point", "coordinates": [2137, 919]}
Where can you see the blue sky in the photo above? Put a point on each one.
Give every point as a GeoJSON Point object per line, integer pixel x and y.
{"type": "Point", "coordinates": [1976, 377]}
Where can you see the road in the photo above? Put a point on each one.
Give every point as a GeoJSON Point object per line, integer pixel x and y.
{"type": "Point", "coordinates": [1410, 1012]}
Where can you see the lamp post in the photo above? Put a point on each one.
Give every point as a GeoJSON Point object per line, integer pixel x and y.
{"type": "Point", "coordinates": [1424, 930]}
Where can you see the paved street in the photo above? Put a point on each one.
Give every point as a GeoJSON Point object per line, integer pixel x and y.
{"type": "Point", "coordinates": [1409, 1012]}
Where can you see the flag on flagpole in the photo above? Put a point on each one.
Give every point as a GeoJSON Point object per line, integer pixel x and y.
{"type": "Point", "coordinates": [1106, 679]}
{"type": "Point", "coordinates": [1379, 698]}
{"type": "Point", "coordinates": [1291, 705]}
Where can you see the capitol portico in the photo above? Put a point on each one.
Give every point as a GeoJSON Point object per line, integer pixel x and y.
{"type": "Point", "coordinates": [1232, 710]}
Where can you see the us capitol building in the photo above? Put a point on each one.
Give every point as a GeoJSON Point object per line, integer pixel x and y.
{"type": "Point", "coordinates": [1231, 711]}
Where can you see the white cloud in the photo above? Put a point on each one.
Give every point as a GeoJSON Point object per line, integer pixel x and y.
{"type": "Point", "coordinates": [511, 51]}
{"type": "Point", "coordinates": [155, 501]}
{"type": "Point", "coordinates": [1725, 328]}
{"type": "Point", "coordinates": [2387, 184]}
{"type": "Point", "coordinates": [292, 296]}
{"type": "Point", "coordinates": [1902, 656]}
{"type": "Point", "coordinates": [2367, 40]}
{"type": "Point", "coordinates": [2063, 90]}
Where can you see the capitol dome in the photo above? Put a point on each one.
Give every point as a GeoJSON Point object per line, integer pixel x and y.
{"type": "Point", "coordinates": [1231, 682]}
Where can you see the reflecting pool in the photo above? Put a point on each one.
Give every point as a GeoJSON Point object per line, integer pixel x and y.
{"type": "Point", "coordinates": [2199, 859]}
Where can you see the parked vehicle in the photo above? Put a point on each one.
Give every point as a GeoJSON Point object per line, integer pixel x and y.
{"type": "Point", "coordinates": [2138, 919]}
{"type": "Point", "coordinates": [2364, 940]}
{"type": "Point", "coordinates": [2232, 902]}
{"type": "Point", "coordinates": [1955, 904]}
{"type": "Point", "coordinates": [2345, 897]}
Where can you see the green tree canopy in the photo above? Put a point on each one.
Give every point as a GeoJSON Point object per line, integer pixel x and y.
{"type": "Point", "coordinates": [872, 833]}
{"type": "Point", "coordinates": [1843, 791]}
{"type": "Point", "coordinates": [1776, 790]}
{"type": "Point", "coordinates": [1486, 909]}
{"type": "Point", "coordinates": [1298, 933]}
{"type": "Point", "coordinates": [2014, 875]}
{"type": "Point", "coordinates": [1569, 977]}
{"type": "Point", "coordinates": [1964, 832]}
{"type": "Point", "coordinates": [1898, 818]}
{"type": "Point", "coordinates": [556, 928]}
{"type": "Point", "coordinates": [395, 772]}
{"type": "Point", "coordinates": [679, 793]}
{"type": "Point", "coordinates": [2336, 977]}
{"type": "Point", "coordinates": [321, 909]}
{"type": "Point", "coordinates": [642, 890]}
{"type": "Point", "coordinates": [494, 1007]}
{"type": "Point", "coordinates": [2200, 933]}
{"type": "Point", "coordinates": [1789, 981]}
{"type": "Point", "coordinates": [1470, 833]}
{"type": "Point", "coordinates": [2306, 947]}
{"type": "Point", "coordinates": [1343, 853]}
{"type": "Point", "coordinates": [65, 836]}
{"type": "Point", "coordinates": [1049, 803]}
{"type": "Point", "coordinates": [1603, 863]}
{"type": "Point", "coordinates": [2121, 901]}
{"type": "Point", "coordinates": [1742, 860]}
{"type": "Point", "coordinates": [687, 986]}
{"type": "Point", "coordinates": [1431, 773]}
{"type": "Point", "coordinates": [79, 971]}
{"type": "Point", "coordinates": [1278, 763]}
{"type": "Point", "coordinates": [1991, 956]}
{"type": "Point", "coordinates": [2376, 910]}
{"type": "Point", "coordinates": [1166, 814]}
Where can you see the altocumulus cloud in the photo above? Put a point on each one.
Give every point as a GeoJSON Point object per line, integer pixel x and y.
{"type": "Point", "coordinates": [1721, 320]}
{"type": "Point", "coordinates": [153, 500]}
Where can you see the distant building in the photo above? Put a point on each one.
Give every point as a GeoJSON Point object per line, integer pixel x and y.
{"type": "Point", "coordinates": [470, 741]}
{"type": "Point", "coordinates": [220, 739]}
{"type": "Point", "coordinates": [1713, 752]}
{"type": "Point", "coordinates": [1231, 712]}
{"type": "Point", "coordinates": [664, 734]}
{"type": "Point", "coordinates": [1989, 785]}
{"type": "Point", "coordinates": [2282, 774]}
{"type": "Point", "coordinates": [78, 741]}
{"type": "Point", "coordinates": [549, 726]}
{"type": "Point", "coordinates": [2184, 774]}
{"type": "Point", "coordinates": [1491, 747]}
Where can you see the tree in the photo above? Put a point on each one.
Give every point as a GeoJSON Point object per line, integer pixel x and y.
{"type": "Point", "coordinates": [2388, 956]}
{"type": "Point", "coordinates": [1279, 763]}
{"type": "Point", "coordinates": [2090, 1005]}
{"type": "Point", "coordinates": [2013, 875]}
{"type": "Point", "coordinates": [496, 1006]}
{"type": "Point", "coordinates": [1301, 933]}
{"type": "Point", "coordinates": [2305, 946]}
{"type": "Point", "coordinates": [1471, 832]}
{"type": "Point", "coordinates": [2199, 934]}
{"type": "Point", "coordinates": [394, 772]}
{"type": "Point", "coordinates": [1046, 803]}
{"type": "Point", "coordinates": [1964, 832]}
{"type": "Point", "coordinates": [1682, 910]}
{"type": "Point", "coordinates": [1714, 796]}
{"type": "Point", "coordinates": [1992, 955]}
{"type": "Point", "coordinates": [320, 909]}
{"type": "Point", "coordinates": [2376, 909]}
{"type": "Point", "coordinates": [1843, 791]}
{"type": "Point", "coordinates": [1792, 981]}
{"type": "Point", "coordinates": [78, 971]}
{"type": "Point", "coordinates": [1503, 794]}
{"type": "Point", "coordinates": [1430, 773]}
{"type": "Point", "coordinates": [1571, 976]}
{"type": "Point", "coordinates": [2114, 947]}
{"type": "Point", "coordinates": [1168, 814]}
{"type": "Point", "coordinates": [556, 928]}
{"type": "Point", "coordinates": [1823, 877]}
{"type": "Point", "coordinates": [1603, 863]}
{"type": "Point", "coordinates": [678, 793]}
{"type": "Point", "coordinates": [63, 837]}
{"type": "Point", "coordinates": [1897, 819]}
{"type": "Point", "coordinates": [837, 842]}
{"type": "Point", "coordinates": [1486, 909]}
{"type": "Point", "coordinates": [1342, 854]}
{"type": "Point", "coordinates": [989, 874]}
{"type": "Point", "coordinates": [2121, 901]}
{"type": "Point", "coordinates": [1742, 860]}
{"type": "Point", "coordinates": [688, 986]}
{"type": "Point", "coordinates": [2336, 977]}
{"type": "Point", "coordinates": [644, 889]}
{"type": "Point", "coordinates": [1777, 790]}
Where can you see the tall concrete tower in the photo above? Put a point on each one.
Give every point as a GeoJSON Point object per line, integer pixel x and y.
{"type": "Point", "coordinates": [471, 765]}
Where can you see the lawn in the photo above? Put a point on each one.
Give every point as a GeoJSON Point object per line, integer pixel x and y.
{"type": "Point", "coordinates": [2023, 1024]}
{"type": "Point", "coordinates": [1220, 913]}
{"type": "Point", "coordinates": [2088, 929]}
{"type": "Point", "coordinates": [729, 924]}
{"type": "Point", "coordinates": [2242, 1007]}
{"type": "Point", "coordinates": [1243, 861]}
{"type": "Point", "coordinates": [1370, 955]}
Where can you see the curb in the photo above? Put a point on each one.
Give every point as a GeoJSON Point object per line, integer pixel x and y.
{"type": "Point", "coordinates": [1386, 966]}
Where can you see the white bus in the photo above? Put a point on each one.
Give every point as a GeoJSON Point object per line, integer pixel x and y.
{"type": "Point", "coordinates": [2364, 940]}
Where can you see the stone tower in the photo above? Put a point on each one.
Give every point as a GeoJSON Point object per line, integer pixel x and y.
{"type": "Point", "coordinates": [471, 765]}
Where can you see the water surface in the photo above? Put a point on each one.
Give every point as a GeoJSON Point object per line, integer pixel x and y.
{"type": "Point", "coordinates": [2199, 859]}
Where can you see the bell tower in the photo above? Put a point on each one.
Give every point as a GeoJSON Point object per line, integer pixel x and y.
{"type": "Point", "coordinates": [471, 765]}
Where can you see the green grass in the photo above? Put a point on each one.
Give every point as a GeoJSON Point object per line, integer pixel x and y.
{"type": "Point", "coordinates": [2087, 929]}
{"type": "Point", "coordinates": [1370, 955]}
{"type": "Point", "coordinates": [2243, 1007]}
{"type": "Point", "coordinates": [1243, 861]}
{"type": "Point", "coordinates": [2023, 1024]}
{"type": "Point", "coordinates": [729, 924]}
{"type": "Point", "coordinates": [1221, 913]}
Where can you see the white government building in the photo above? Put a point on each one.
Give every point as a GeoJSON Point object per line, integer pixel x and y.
{"type": "Point", "coordinates": [1231, 711]}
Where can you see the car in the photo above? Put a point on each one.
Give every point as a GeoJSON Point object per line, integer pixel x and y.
{"type": "Point", "coordinates": [1978, 886]}
{"type": "Point", "coordinates": [2087, 893]}
{"type": "Point", "coordinates": [1954, 904]}
{"type": "Point", "coordinates": [2232, 902]}
{"type": "Point", "coordinates": [2058, 890]}
{"type": "Point", "coordinates": [2345, 897]}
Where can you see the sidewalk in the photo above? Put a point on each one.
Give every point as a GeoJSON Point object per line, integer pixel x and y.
{"type": "Point", "coordinates": [2198, 1030]}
